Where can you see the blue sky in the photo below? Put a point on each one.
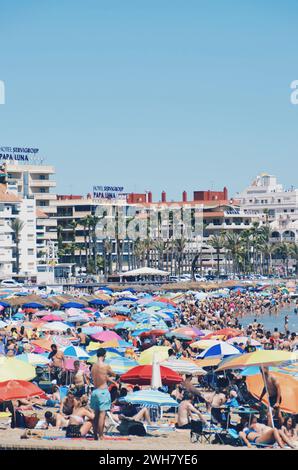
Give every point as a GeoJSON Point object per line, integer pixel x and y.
{"type": "Point", "coordinates": [152, 94]}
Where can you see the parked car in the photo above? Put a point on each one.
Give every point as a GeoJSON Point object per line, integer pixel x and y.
{"type": "Point", "coordinates": [10, 283]}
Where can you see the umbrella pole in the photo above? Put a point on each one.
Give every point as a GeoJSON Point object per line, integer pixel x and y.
{"type": "Point", "coordinates": [269, 406]}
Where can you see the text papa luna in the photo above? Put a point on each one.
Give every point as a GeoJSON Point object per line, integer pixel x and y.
{"type": "Point", "coordinates": [294, 94]}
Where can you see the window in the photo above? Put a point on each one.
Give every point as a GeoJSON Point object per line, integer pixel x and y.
{"type": "Point", "coordinates": [30, 251]}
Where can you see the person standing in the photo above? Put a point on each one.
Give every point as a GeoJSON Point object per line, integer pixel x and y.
{"type": "Point", "coordinates": [101, 397]}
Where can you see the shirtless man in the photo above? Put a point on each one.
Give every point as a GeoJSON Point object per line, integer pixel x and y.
{"type": "Point", "coordinates": [79, 379]}
{"type": "Point", "coordinates": [273, 387]}
{"type": "Point", "coordinates": [57, 362]}
{"type": "Point", "coordinates": [186, 410]}
{"type": "Point", "coordinates": [100, 398]}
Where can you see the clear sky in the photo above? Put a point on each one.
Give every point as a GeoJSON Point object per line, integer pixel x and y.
{"type": "Point", "coordinates": [152, 94]}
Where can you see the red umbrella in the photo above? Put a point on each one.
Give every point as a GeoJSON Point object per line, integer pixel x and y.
{"type": "Point", "coordinates": [141, 375]}
{"type": "Point", "coordinates": [145, 334]}
{"type": "Point", "coordinates": [14, 389]}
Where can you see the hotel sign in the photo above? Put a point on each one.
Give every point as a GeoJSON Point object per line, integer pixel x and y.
{"type": "Point", "coordinates": [20, 155]}
{"type": "Point", "coordinates": [109, 192]}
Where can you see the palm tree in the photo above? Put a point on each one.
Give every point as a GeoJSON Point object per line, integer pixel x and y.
{"type": "Point", "coordinates": [283, 250]}
{"type": "Point", "coordinates": [17, 226]}
{"type": "Point", "coordinates": [217, 242]}
{"type": "Point", "coordinates": [179, 247]}
{"type": "Point", "coordinates": [233, 244]}
{"type": "Point", "coordinates": [294, 255]}
{"type": "Point", "coordinates": [84, 223]}
{"type": "Point", "coordinates": [73, 224]}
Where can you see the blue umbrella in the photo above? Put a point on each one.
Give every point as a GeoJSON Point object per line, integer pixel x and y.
{"type": "Point", "coordinates": [125, 325]}
{"type": "Point", "coordinates": [92, 330]}
{"type": "Point", "coordinates": [99, 302]}
{"type": "Point", "coordinates": [76, 351]}
{"type": "Point", "coordinates": [72, 305]}
{"type": "Point", "coordinates": [33, 305]}
{"type": "Point", "coordinates": [121, 365]}
{"type": "Point", "coordinates": [4, 304]}
{"type": "Point", "coordinates": [150, 398]}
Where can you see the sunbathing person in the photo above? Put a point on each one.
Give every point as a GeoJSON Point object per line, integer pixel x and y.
{"type": "Point", "coordinates": [143, 416]}
{"type": "Point", "coordinates": [80, 421]}
{"type": "Point", "coordinates": [258, 433]}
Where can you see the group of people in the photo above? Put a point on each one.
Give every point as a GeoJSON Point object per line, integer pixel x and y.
{"type": "Point", "coordinates": [96, 391]}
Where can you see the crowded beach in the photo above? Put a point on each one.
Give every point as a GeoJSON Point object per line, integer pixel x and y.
{"type": "Point", "coordinates": [159, 368]}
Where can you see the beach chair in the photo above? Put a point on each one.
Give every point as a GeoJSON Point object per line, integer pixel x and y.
{"type": "Point", "coordinates": [112, 425]}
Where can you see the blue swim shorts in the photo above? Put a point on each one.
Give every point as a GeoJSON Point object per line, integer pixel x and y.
{"type": "Point", "coordinates": [100, 400]}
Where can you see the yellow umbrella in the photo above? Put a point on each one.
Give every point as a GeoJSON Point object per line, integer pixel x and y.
{"type": "Point", "coordinates": [146, 357]}
{"type": "Point", "coordinates": [109, 355]}
{"type": "Point", "coordinates": [93, 346]}
{"type": "Point", "coordinates": [258, 358]}
{"type": "Point", "coordinates": [13, 369]}
{"type": "Point", "coordinates": [204, 343]}
{"type": "Point", "coordinates": [210, 362]}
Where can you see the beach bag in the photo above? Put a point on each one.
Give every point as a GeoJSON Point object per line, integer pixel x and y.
{"type": "Point", "coordinates": [131, 428]}
{"type": "Point", "coordinates": [31, 421]}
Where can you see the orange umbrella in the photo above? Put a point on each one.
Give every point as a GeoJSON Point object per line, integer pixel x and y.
{"type": "Point", "coordinates": [43, 344]}
{"type": "Point", "coordinates": [289, 390]}
{"type": "Point", "coordinates": [227, 332]}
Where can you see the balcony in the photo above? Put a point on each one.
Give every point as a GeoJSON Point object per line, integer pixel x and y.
{"type": "Point", "coordinates": [36, 183]}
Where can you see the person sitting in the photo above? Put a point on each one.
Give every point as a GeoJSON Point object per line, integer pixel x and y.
{"type": "Point", "coordinates": [80, 421]}
{"type": "Point", "coordinates": [257, 433]}
{"type": "Point", "coordinates": [187, 411]}
{"type": "Point", "coordinates": [289, 430]}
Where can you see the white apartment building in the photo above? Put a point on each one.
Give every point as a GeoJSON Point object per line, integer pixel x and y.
{"type": "Point", "coordinates": [12, 207]}
{"type": "Point", "coordinates": [35, 180]}
{"type": "Point", "coordinates": [268, 199]}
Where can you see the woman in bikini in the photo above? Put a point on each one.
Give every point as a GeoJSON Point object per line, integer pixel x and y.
{"type": "Point", "coordinates": [80, 421]}
{"type": "Point", "coordinates": [261, 434]}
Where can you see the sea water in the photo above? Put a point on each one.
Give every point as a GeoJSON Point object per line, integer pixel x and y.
{"type": "Point", "coordinates": [274, 320]}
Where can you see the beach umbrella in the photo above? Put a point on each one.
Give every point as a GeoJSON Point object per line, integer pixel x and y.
{"type": "Point", "coordinates": [33, 305]}
{"type": "Point", "coordinates": [91, 330]}
{"type": "Point", "coordinates": [4, 304]}
{"type": "Point", "coordinates": [98, 302]}
{"type": "Point", "coordinates": [258, 358]}
{"type": "Point", "coordinates": [13, 369]}
{"type": "Point", "coordinates": [50, 318]}
{"type": "Point", "coordinates": [146, 356]}
{"type": "Point", "coordinates": [182, 366]}
{"type": "Point", "coordinates": [125, 325]}
{"type": "Point", "coordinates": [227, 332]}
{"type": "Point", "coordinates": [75, 351]}
{"type": "Point", "coordinates": [289, 390]}
{"type": "Point", "coordinates": [106, 335]}
{"type": "Point", "coordinates": [120, 365]}
{"type": "Point", "coordinates": [142, 375]}
{"type": "Point", "coordinates": [117, 309]}
{"type": "Point", "coordinates": [179, 336]}
{"type": "Point", "coordinates": [191, 332]}
{"type": "Point", "coordinates": [146, 334]}
{"type": "Point", "coordinates": [109, 355]}
{"type": "Point", "coordinates": [204, 343]}
{"type": "Point", "coordinates": [221, 349]}
{"type": "Point", "coordinates": [34, 359]}
{"type": "Point", "coordinates": [150, 398]}
{"type": "Point", "coordinates": [17, 389]}
{"type": "Point", "coordinates": [165, 300]}
{"type": "Point", "coordinates": [55, 326]}
{"type": "Point", "coordinates": [42, 343]}
{"type": "Point", "coordinates": [61, 341]}
{"type": "Point", "coordinates": [73, 305]}
{"type": "Point", "coordinates": [210, 362]}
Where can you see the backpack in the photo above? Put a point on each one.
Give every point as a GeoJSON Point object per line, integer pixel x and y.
{"type": "Point", "coordinates": [20, 420]}
{"type": "Point", "coordinates": [131, 428]}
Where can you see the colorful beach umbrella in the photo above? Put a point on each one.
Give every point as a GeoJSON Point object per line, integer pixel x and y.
{"type": "Point", "coordinates": [150, 398]}
{"type": "Point", "coordinates": [106, 336]}
{"type": "Point", "coordinates": [146, 357]}
{"type": "Point", "coordinates": [182, 366]}
{"type": "Point", "coordinates": [34, 359]}
{"type": "Point", "coordinates": [258, 358]}
{"type": "Point", "coordinates": [221, 349]}
{"type": "Point", "coordinates": [76, 351]}
{"type": "Point", "coordinates": [121, 365]}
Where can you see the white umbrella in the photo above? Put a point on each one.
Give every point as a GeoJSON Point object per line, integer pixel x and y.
{"type": "Point", "coordinates": [184, 367]}
{"type": "Point", "coordinates": [54, 326]}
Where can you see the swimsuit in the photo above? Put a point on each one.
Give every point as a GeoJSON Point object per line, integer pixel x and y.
{"type": "Point", "coordinates": [101, 400]}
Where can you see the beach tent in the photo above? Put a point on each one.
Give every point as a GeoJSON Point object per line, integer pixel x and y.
{"type": "Point", "coordinates": [144, 272]}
